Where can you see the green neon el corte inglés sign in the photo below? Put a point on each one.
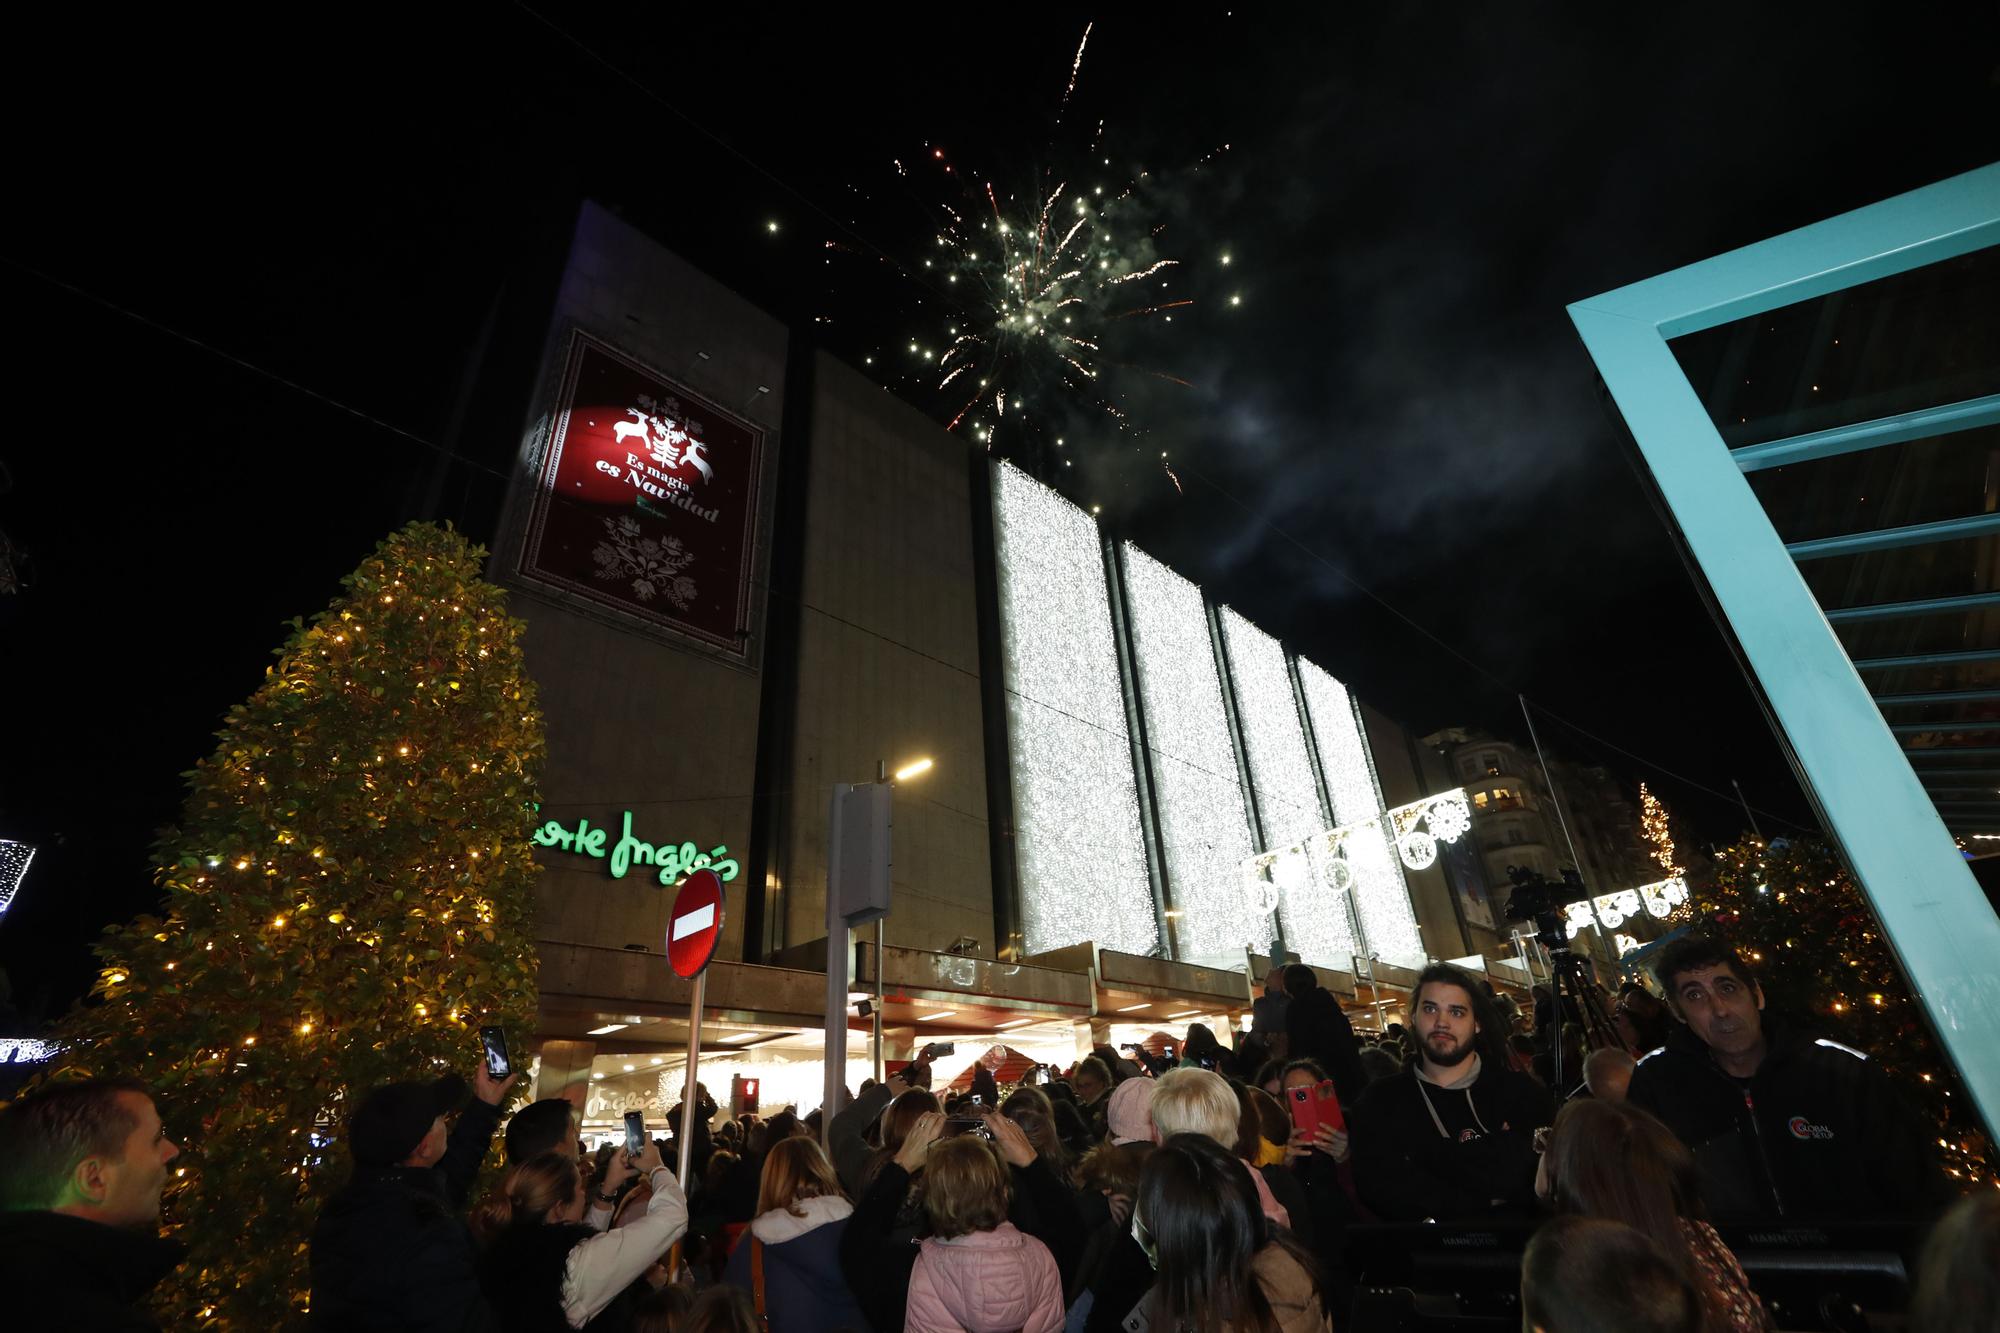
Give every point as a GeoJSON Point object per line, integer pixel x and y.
{"type": "Point", "coordinates": [672, 861]}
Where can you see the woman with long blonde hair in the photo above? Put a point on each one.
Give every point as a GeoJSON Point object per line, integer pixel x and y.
{"type": "Point", "coordinates": [790, 1261]}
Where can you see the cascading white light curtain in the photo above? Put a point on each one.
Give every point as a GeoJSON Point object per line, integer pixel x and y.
{"type": "Point", "coordinates": [1204, 826]}
{"type": "Point", "coordinates": [1079, 848]}
{"type": "Point", "coordinates": [1274, 745]}
{"type": "Point", "coordinates": [1381, 894]}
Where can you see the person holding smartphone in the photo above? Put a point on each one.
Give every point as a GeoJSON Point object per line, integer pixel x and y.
{"type": "Point", "coordinates": [542, 1265]}
{"type": "Point", "coordinates": [854, 1158]}
{"type": "Point", "coordinates": [390, 1250]}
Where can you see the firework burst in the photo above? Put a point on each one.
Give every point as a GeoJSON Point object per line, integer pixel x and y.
{"type": "Point", "coordinates": [1044, 280]}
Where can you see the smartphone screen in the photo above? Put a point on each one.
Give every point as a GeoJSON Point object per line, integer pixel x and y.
{"type": "Point", "coordinates": [495, 1042]}
{"type": "Point", "coordinates": [635, 1132]}
{"type": "Point", "coordinates": [979, 1099]}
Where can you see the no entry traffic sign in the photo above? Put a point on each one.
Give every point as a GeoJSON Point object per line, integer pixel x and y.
{"type": "Point", "coordinates": [694, 924]}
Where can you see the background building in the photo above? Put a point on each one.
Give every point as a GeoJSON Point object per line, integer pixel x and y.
{"type": "Point", "coordinates": [1518, 820]}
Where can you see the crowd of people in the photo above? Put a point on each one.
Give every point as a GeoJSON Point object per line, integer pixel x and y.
{"type": "Point", "coordinates": [1212, 1187]}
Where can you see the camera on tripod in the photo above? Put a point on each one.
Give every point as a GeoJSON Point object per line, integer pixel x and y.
{"type": "Point", "coordinates": [1539, 902]}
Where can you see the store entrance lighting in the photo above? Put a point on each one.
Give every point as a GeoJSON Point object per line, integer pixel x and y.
{"type": "Point", "coordinates": [1014, 1023]}
{"type": "Point", "coordinates": [932, 1018]}
{"type": "Point", "coordinates": [910, 770]}
{"type": "Point", "coordinates": [1134, 1008]}
{"type": "Point", "coordinates": [607, 1029]}
{"type": "Point", "coordinates": [736, 1037]}
{"type": "Point", "coordinates": [1185, 1013]}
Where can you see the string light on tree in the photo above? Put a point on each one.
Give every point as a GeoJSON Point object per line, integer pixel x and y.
{"type": "Point", "coordinates": [1655, 825]}
{"type": "Point", "coordinates": [397, 728]}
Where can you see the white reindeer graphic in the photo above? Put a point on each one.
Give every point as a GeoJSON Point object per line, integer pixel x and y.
{"type": "Point", "coordinates": [694, 454]}
{"type": "Point", "coordinates": [638, 427]}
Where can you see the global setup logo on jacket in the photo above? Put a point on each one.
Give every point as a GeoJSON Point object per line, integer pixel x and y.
{"type": "Point", "coordinates": [1806, 1130]}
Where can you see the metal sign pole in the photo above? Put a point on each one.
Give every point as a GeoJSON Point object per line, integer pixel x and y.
{"type": "Point", "coordinates": [837, 956]}
{"type": "Point", "coordinates": [878, 998]}
{"type": "Point", "coordinates": [688, 1094]}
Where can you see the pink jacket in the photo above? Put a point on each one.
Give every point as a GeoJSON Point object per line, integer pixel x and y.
{"type": "Point", "coordinates": [987, 1282]}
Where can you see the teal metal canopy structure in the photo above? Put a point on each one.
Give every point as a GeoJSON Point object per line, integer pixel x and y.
{"type": "Point", "coordinates": [1820, 413]}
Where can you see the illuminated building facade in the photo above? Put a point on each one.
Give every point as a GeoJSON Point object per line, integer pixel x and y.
{"type": "Point", "coordinates": [748, 574]}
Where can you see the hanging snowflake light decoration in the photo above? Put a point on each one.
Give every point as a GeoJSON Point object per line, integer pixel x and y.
{"type": "Point", "coordinates": [1450, 818]}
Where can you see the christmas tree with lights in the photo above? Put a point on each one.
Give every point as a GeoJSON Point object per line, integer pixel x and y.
{"type": "Point", "coordinates": [1796, 916]}
{"type": "Point", "coordinates": [1657, 829]}
{"type": "Point", "coordinates": [347, 900]}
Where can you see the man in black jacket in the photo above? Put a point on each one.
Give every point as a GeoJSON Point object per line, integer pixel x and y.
{"type": "Point", "coordinates": [1781, 1123]}
{"type": "Point", "coordinates": [1317, 1030]}
{"type": "Point", "coordinates": [82, 1166]}
{"type": "Point", "coordinates": [1453, 1135]}
{"type": "Point", "coordinates": [391, 1250]}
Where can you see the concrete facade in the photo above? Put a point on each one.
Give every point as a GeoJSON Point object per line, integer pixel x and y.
{"type": "Point", "coordinates": [889, 662]}
{"type": "Point", "coordinates": [887, 655]}
{"type": "Point", "coordinates": [664, 729]}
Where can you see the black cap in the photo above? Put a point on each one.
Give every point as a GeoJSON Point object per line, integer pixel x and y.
{"type": "Point", "coordinates": [393, 1119]}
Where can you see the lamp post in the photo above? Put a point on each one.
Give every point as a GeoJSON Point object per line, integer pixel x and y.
{"type": "Point", "coordinates": [915, 768]}
{"type": "Point", "coordinates": [857, 892]}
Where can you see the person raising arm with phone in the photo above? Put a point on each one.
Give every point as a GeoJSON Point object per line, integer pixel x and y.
{"type": "Point", "coordinates": [846, 1134]}
{"type": "Point", "coordinates": [877, 1252]}
{"type": "Point", "coordinates": [390, 1250]}
{"type": "Point", "coordinates": [540, 1257]}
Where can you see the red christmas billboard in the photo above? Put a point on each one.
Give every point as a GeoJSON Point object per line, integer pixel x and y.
{"type": "Point", "coordinates": [646, 502]}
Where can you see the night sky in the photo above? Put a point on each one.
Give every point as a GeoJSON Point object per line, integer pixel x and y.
{"type": "Point", "coordinates": [374, 211]}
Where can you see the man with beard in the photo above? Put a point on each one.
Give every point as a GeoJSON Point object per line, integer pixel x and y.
{"type": "Point", "coordinates": [1452, 1136]}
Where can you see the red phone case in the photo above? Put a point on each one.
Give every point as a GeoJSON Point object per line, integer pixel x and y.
{"type": "Point", "coordinates": [1316, 1106]}
{"type": "Point", "coordinates": [1328, 1102]}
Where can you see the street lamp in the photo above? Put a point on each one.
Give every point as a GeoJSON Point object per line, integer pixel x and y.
{"type": "Point", "coordinates": [914, 768]}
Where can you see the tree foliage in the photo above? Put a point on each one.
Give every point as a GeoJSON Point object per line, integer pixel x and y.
{"type": "Point", "coordinates": [347, 899]}
{"type": "Point", "coordinates": [1800, 921]}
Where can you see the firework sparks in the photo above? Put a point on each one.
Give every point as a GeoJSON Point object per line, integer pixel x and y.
{"type": "Point", "coordinates": [1075, 68]}
{"type": "Point", "coordinates": [1035, 274]}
